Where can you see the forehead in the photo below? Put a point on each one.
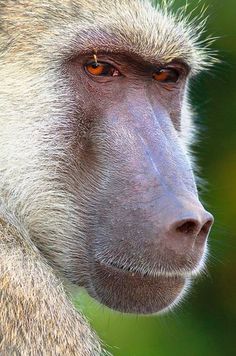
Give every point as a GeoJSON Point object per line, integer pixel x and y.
{"type": "Point", "coordinates": [138, 27]}
{"type": "Point", "coordinates": [127, 26]}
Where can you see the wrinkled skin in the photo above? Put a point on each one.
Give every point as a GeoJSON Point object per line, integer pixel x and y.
{"type": "Point", "coordinates": [149, 230]}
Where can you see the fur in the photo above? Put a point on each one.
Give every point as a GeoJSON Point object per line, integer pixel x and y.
{"type": "Point", "coordinates": [36, 38]}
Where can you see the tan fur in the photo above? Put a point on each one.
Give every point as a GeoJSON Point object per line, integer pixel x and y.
{"type": "Point", "coordinates": [36, 315]}
{"type": "Point", "coordinates": [36, 37]}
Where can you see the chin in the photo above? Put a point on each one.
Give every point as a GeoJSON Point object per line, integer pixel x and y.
{"type": "Point", "coordinates": [135, 293]}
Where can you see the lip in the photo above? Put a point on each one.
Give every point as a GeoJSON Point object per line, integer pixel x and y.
{"type": "Point", "coordinates": [132, 292]}
{"type": "Point", "coordinates": [152, 273]}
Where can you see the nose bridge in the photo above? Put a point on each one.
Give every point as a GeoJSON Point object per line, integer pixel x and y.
{"type": "Point", "coordinates": [157, 152]}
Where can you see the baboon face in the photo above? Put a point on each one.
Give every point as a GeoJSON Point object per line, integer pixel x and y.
{"type": "Point", "coordinates": [147, 229]}
{"type": "Point", "coordinates": [105, 185]}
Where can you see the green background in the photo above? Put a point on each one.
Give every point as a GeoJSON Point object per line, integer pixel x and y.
{"type": "Point", "coordinates": [205, 323]}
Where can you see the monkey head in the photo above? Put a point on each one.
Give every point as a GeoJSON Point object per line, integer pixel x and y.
{"type": "Point", "coordinates": [95, 159]}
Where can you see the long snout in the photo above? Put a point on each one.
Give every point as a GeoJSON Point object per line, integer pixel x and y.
{"type": "Point", "coordinates": [152, 210]}
{"type": "Point", "coordinates": [151, 229]}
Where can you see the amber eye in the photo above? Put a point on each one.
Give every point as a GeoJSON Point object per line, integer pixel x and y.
{"type": "Point", "coordinates": [166, 75]}
{"type": "Point", "coordinates": [102, 69]}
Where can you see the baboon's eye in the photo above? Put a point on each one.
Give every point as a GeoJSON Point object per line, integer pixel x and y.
{"type": "Point", "coordinates": [166, 75]}
{"type": "Point", "coordinates": [102, 69]}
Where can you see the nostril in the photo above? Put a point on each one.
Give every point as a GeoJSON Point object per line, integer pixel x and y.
{"type": "Point", "coordinates": [193, 227]}
{"type": "Point", "coordinates": [206, 228]}
{"type": "Point", "coordinates": [188, 227]}
{"type": "Point", "coordinates": [189, 233]}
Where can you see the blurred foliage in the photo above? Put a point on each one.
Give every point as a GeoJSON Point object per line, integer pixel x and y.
{"type": "Point", "coordinates": [205, 324]}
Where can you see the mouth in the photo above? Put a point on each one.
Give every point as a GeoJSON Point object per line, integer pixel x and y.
{"type": "Point", "coordinates": [133, 292]}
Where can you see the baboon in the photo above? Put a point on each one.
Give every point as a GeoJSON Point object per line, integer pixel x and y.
{"type": "Point", "coordinates": [96, 180]}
